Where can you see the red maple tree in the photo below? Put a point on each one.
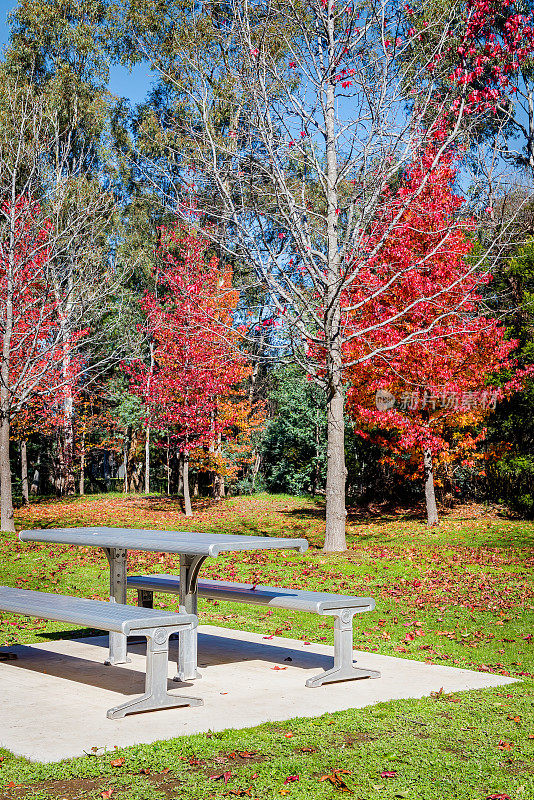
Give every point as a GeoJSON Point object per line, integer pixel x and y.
{"type": "Point", "coordinates": [196, 362]}
{"type": "Point", "coordinates": [436, 355]}
{"type": "Point", "coordinates": [30, 342]}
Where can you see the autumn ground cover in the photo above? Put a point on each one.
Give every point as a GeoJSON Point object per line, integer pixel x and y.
{"type": "Point", "coordinates": [461, 595]}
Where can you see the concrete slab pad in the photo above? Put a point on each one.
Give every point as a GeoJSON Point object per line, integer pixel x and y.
{"type": "Point", "coordinates": [54, 696]}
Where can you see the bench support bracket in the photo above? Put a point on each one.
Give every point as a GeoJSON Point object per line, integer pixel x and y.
{"type": "Point", "coordinates": [157, 664]}
{"type": "Point", "coordinates": [343, 669]}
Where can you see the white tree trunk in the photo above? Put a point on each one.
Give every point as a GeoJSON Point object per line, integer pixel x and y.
{"type": "Point", "coordinates": [65, 314]}
{"type": "Point", "coordinates": [147, 460]}
{"type": "Point", "coordinates": [7, 522]}
{"type": "Point", "coordinates": [185, 479]}
{"type": "Point", "coordinates": [126, 456]}
{"type": "Point", "coordinates": [6, 499]}
{"type": "Point", "coordinates": [335, 540]}
{"type": "Point", "coordinates": [335, 474]}
{"type": "Point", "coordinates": [430, 495]}
{"type": "Point", "coordinates": [24, 471]}
{"type": "Point", "coordinates": [36, 480]}
{"type": "Point", "coordinates": [82, 463]}
{"type": "Point", "coordinates": [68, 483]}
{"type": "Point", "coordinates": [168, 466]}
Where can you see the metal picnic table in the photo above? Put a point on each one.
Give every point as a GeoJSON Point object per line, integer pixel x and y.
{"type": "Point", "coordinates": [193, 549]}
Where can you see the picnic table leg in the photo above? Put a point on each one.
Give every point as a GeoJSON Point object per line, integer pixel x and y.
{"type": "Point", "coordinates": [118, 642]}
{"type": "Point", "coordinates": [343, 669]}
{"type": "Point", "coordinates": [187, 652]}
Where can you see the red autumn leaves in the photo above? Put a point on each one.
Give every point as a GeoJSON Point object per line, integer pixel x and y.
{"type": "Point", "coordinates": [192, 387]}
{"type": "Point", "coordinates": [430, 359]}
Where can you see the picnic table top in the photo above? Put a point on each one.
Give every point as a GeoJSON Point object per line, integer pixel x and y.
{"type": "Point", "coordinates": [184, 542]}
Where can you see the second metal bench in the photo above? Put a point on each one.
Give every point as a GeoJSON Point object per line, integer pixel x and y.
{"type": "Point", "coordinates": [341, 607]}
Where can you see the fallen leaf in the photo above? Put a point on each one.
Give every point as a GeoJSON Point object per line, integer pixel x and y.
{"type": "Point", "coordinates": [145, 771]}
{"type": "Point", "coordinates": [277, 667]}
{"type": "Point", "coordinates": [288, 735]}
{"type": "Point", "coordinates": [118, 762]}
{"type": "Point", "coordinates": [94, 751]}
{"type": "Point", "coordinates": [498, 796]}
{"type": "Point", "coordinates": [292, 778]}
{"type": "Point", "coordinates": [107, 794]}
{"type": "Point", "coordinates": [225, 776]}
{"type": "Point", "coordinates": [388, 773]}
{"type": "Point", "coordinates": [239, 792]}
{"type": "Point", "coordinates": [505, 745]}
{"type": "Point", "coordinates": [336, 780]}
{"type": "Point", "coordinates": [308, 749]}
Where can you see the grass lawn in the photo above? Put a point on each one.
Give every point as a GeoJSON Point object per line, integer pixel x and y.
{"type": "Point", "coordinates": [462, 596]}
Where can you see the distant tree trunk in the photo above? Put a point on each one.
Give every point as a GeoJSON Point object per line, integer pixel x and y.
{"type": "Point", "coordinates": [430, 495]}
{"type": "Point", "coordinates": [168, 466]}
{"type": "Point", "coordinates": [107, 468]}
{"type": "Point", "coordinates": [195, 485]}
{"type": "Point", "coordinates": [127, 441]}
{"type": "Point", "coordinates": [82, 462]}
{"type": "Point", "coordinates": [147, 440]}
{"type": "Point", "coordinates": [255, 469]}
{"type": "Point", "coordinates": [180, 489]}
{"type": "Point", "coordinates": [34, 488]}
{"type": "Point", "coordinates": [218, 490]}
{"type": "Point", "coordinates": [135, 481]}
{"type": "Point", "coordinates": [147, 460]}
{"type": "Point", "coordinates": [6, 498]}
{"type": "Point", "coordinates": [66, 443]}
{"type": "Point", "coordinates": [215, 483]}
{"type": "Point", "coordinates": [185, 479]}
{"type": "Point", "coordinates": [68, 481]}
{"type": "Point", "coordinates": [315, 475]}
{"type": "Point", "coordinates": [24, 471]}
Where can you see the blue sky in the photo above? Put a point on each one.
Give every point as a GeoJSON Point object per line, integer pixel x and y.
{"type": "Point", "coordinates": [132, 85]}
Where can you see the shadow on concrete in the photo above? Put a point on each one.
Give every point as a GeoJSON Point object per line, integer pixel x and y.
{"type": "Point", "coordinates": [82, 670]}
{"type": "Point", "coordinates": [212, 651]}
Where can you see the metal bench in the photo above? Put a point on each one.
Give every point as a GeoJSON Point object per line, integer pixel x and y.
{"type": "Point", "coordinates": [157, 626]}
{"type": "Point", "coordinates": [341, 607]}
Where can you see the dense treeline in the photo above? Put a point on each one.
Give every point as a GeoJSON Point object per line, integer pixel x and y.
{"type": "Point", "coordinates": [225, 289]}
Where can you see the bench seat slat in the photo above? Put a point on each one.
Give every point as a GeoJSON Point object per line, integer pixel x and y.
{"type": "Point", "coordinates": [91, 613]}
{"type": "Point", "coordinates": [295, 599]}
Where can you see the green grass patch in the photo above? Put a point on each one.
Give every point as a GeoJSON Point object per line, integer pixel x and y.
{"type": "Point", "coordinates": [461, 596]}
